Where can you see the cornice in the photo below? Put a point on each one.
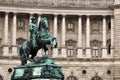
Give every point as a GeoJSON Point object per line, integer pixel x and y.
{"type": "Point", "coordinates": [69, 7]}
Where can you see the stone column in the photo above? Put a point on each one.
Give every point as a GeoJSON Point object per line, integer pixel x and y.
{"type": "Point", "coordinates": [88, 50]}
{"type": "Point", "coordinates": [79, 51]}
{"type": "Point", "coordinates": [112, 36]}
{"type": "Point", "coordinates": [31, 15]}
{"type": "Point", "coordinates": [63, 47]}
{"type": "Point", "coordinates": [55, 50]}
{"type": "Point", "coordinates": [39, 18]}
{"type": "Point", "coordinates": [6, 45]}
{"type": "Point", "coordinates": [14, 46]}
{"type": "Point", "coordinates": [104, 50]}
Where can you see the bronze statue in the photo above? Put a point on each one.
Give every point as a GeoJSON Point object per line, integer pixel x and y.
{"type": "Point", "coordinates": [44, 67]}
{"type": "Point", "coordinates": [39, 38]}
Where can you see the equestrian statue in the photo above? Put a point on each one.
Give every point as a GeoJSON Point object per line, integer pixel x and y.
{"type": "Point", "coordinates": [40, 37]}
{"type": "Point", "coordinates": [44, 67]}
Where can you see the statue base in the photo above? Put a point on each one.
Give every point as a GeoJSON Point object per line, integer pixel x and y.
{"type": "Point", "coordinates": [44, 68]}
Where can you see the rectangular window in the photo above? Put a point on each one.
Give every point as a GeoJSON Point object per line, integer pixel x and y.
{"type": "Point", "coordinates": [70, 53]}
{"type": "Point", "coordinates": [70, 27]}
{"type": "Point", "coordinates": [95, 52]}
{"type": "Point", "coordinates": [109, 26]}
{"type": "Point", "coordinates": [20, 24]}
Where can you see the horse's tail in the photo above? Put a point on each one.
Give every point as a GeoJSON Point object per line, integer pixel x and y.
{"type": "Point", "coordinates": [20, 51]}
{"type": "Point", "coordinates": [22, 56]}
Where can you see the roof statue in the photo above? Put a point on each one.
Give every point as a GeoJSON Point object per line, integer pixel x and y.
{"type": "Point", "coordinates": [44, 67]}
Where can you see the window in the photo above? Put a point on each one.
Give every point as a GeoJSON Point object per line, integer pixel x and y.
{"type": "Point", "coordinates": [70, 51]}
{"type": "Point", "coordinates": [71, 78]}
{"type": "Point", "coordinates": [96, 48]}
{"type": "Point", "coordinates": [96, 78]}
{"type": "Point", "coordinates": [95, 27]}
{"type": "Point", "coordinates": [109, 49]}
{"type": "Point", "coordinates": [21, 24]}
{"type": "Point", "coordinates": [95, 52]}
{"type": "Point", "coordinates": [109, 46]}
{"type": "Point", "coordinates": [71, 44]}
{"type": "Point", "coordinates": [1, 77]}
{"type": "Point", "coordinates": [1, 46]}
{"type": "Point", "coordinates": [59, 26]}
{"type": "Point", "coordinates": [109, 26]}
{"type": "Point", "coordinates": [70, 27]}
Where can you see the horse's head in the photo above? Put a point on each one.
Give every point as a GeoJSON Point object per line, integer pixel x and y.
{"type": "Point", "coordinates": [43, 24]}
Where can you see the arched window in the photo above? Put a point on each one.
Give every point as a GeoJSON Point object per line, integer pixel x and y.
{"type": "Point", "coordinates": [1, 77]}
{"type": "Point", "coordinates": [96, 78]}
{"type": "Point", "coordinates": [96, 45]}
{"type": "Point", "coordinates": [71, 44]}
{"type": "Point", "coordinates": [71, 78]}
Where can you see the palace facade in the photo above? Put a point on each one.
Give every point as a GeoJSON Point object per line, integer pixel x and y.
{"type": "Point", "coordinates": [88, 33]}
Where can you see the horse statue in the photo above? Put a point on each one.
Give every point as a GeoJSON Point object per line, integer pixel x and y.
{"type": "Point", "coordinates": [42, 37]}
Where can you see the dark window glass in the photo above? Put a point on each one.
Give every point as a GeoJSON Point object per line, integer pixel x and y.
{"type": "Point", "coordinates": [71, 78]}
{"type": "Point", "coordinates": [1, 77]}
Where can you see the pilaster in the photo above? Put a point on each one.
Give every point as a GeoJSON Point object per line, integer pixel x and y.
{"type": "Point", "coordinates": [63, 48]}
{"type": "Point", "coordinates": [14, 45]}
{"type": "Point", "coordinates": [6, 45]}
{"type": "Point", "coordinates": [88, 49]}
{"type": "Point", "coordinates": [79, 50]}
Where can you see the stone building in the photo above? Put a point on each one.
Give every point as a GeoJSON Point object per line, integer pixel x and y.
{"type": "Point", "coordinates": [88, 33]}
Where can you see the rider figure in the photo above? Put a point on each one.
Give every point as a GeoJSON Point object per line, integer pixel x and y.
{"type": "Point", "coordinates": [33, 28]}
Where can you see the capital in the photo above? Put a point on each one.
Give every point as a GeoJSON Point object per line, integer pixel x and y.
{"type": "Point", "coordinates": [39, 14]}
{"type": "Point", "coordinates": [63, 15]}
{"type": "Point", "coordinates": [79, 15]}
{"type": "Point", "coordinates": [88, 15]}
{"type": "Point", "coordinates": [31, 13]}
{"type": "Point", "coordinates": [7, 12]}
{"type": "Point", "coordinates": [104, 16]}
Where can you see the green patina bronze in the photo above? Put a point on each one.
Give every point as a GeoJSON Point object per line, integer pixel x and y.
{"type": "Point", "coordinates": [44, 67]}
{"type": "Point", "coordinates": [39, 38]}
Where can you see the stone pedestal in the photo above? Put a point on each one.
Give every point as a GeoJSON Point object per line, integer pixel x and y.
{"type": "Point", "coordinates": [63, 52]}
{"type": "Point", "coordinates": [112, 52]}
{"type": "Point", "coordinates": [5, 50]}
{"type": "Point", "coordinates": [44, 68]}
{"type": "Point", "coordinates": [88, 53]}
{"type": "Point", "coordinates": [79, 53]}
{"type": "Point", "coordinates": [14, 50]}
{"type": "Point", "coordinates": [55, 53]}
{"type": "Point", "coordinates": [104, 53]}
